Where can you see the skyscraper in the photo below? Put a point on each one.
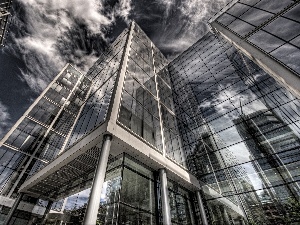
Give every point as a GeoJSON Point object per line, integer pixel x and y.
{"type": "Point", "coordinates": [209, 138]}
{"type": "Point", "coordinates": [4, 14]}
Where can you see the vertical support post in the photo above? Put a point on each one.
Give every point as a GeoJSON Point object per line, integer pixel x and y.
{"type": "Point", "coordinates": [94, 199]}
{"type": "Point", "coordinates": [191, 212]}
{"type": "Point", "coordinates": [156, 194]}
{"type": "Point", "coordinates": [242, 222]}
{"type": "Point", "coordinates": [166, 210]}
{"type": "Point", "coordinates": [47, 210]}
{"type": "Point", "coordinates": [226, 217]}
{"type": "Point", "coordinates": [150, 200]}
{"type": "Point", "coordinates": [13, 209]}
{"type": "Point", "coordinates": [201, 208]}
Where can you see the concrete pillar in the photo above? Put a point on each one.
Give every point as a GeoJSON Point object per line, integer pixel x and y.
{"type": "Point", "coordinates": [166, 210]}
{"type": "Point", "coordinates": [94, 199]}
{"type": "Point", "coordinates": [47, 210]}
{"type": "Point", "coordinates": [13, 209]}
{"type": "Point", "coordinates": [201, 208]}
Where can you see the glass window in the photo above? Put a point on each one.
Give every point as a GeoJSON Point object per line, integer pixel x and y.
{"type": "Point", "coordinates": [293, 13]}
{"type": "Point", "coordinates": [265, 41]}
{"type": "Point", "coordinates": [226, 19]}
{"type": "Point", "coordinates": [273, 6]}
{"type": "Point", "coordinates": [141, 117]}
{"type": "Point", "coordinates": [131, 193]}
{"type": "Point", "coordinates": [289, 55]}
{"type": "Point", "coordinates": [284, 28]}
{"type": "Point", "coordinates": [240, 27]}
{"type": "Point", "coordinates": [238, 9]}
{"type": "Point", "coordinates": [249, 2]}
{"type": "Point", "coordinates": [255, 16]}
{"type": "Point", "coordinates": [296, 41]}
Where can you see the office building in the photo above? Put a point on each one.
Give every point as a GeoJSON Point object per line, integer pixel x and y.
{"type": "Point", "coordinates": [209, 138]}
{"type": "Point", "coordinates": [4, 14]}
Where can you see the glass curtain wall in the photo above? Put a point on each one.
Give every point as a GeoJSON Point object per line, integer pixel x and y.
{"type": "Point", "coordinates": [103, 76]}
{"type": "Point", "coordinates": [4, 14]}
{"type": "Point", "coordinates": [41, 134]}
{"type": "Point", "coordinates": [245, 140]}
{"type": "Point", "coordinates": [272, 26]}
{"type": "Point", "coordinates": [73, 106]}
{"type": "Point", "coordinates": [147, 107]}
{"type": "Point", "coordinates": [181, 205]}
{"type": "Point", "coordinates": [139, 106]}
{"type": "Point", "coordinates": [128, 194]}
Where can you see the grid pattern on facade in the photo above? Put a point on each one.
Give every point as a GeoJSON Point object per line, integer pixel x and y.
{"type": "Point", "coordinates": [122, 200]}
{"type": "Point", "coordinates": [103, 76]}
{"type": "Point", "coordinates": [147, 106]}
{"type": "Point", "coordinates": [255, 166]}
{"type": "Point", "coordinates": [180, 203]}
{"type": "Point", "coordinates": [69, 179]}
{"type": "Point", "coordinates": [42, 132]}
{"type": "Point", "coordinates": [139, 107]}
{"type": "Point", "coordinates": [4, 16]}
{"type": "Point", "coordinates": [272, 26]}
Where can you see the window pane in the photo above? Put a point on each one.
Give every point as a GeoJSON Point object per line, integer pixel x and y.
{"type": "Point", "coordinates": [284, 28]}
{"type": "Point", "coordinates": [289, 55]}
{"type": "Point", "coordinates": [265, 41]}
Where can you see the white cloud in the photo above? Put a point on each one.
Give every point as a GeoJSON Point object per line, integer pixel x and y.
{"type": "Point", "coordinates": [185, 22]}
{"type": "Point", "coordinates": [168, 4]}
{"type": "Point", "coordinates": [199, 11]}
{"type": "Point", "coordinates": [46, 32]}
{"type": "Point", "coordinates": [4, 119]}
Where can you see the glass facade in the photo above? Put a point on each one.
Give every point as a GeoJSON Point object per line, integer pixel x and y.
{"type": "Point", "coordinates": [130, 195]}
{"type": "Point", "coordinates": [273, 27]}
{"type": "Point", "coordinates": [181, 202]}
{"type": "Point", "coordinates": [139, 110]}
{"type": "Point", "coordinates": [212, 111]}
{"type": "Point", "coordinates": [4, 14]}
{"type": "Point", "coordinates": [42, 132]}
{"type": "Point", "coordinates": [71, 107]}
{"type": "Point", "coordinates": [245, 138]}
{"type": "Point", "coordinates": [103, 76]}
{"type": "Point", "coordinates": [147, 106]}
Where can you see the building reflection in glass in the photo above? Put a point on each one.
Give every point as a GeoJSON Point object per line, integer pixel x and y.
{"type": "Point", "coordinates": [244, 138]}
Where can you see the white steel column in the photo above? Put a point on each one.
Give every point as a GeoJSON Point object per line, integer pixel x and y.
{"type": "Point", "coordinates": [201, 208]}
{"type": "Point", "coordinates": [166, 210]}
{"type": "Point", "coordinates": [13, 209]}
{"type": "Point", "coordinates": [159, 106]}
{"type": "Point", "coordinates": [113, 110]}
{"type": "Point", "coordinates": [94, 199]}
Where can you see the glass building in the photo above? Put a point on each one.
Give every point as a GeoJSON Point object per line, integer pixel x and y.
{"type": "Point", "coordinates": [4, 14]}
{"type": "Point", "coordinates": [209, 138]}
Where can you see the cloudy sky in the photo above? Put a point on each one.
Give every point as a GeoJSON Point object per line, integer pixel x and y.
{"type": "Point", "coordinates": [44, 35]}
